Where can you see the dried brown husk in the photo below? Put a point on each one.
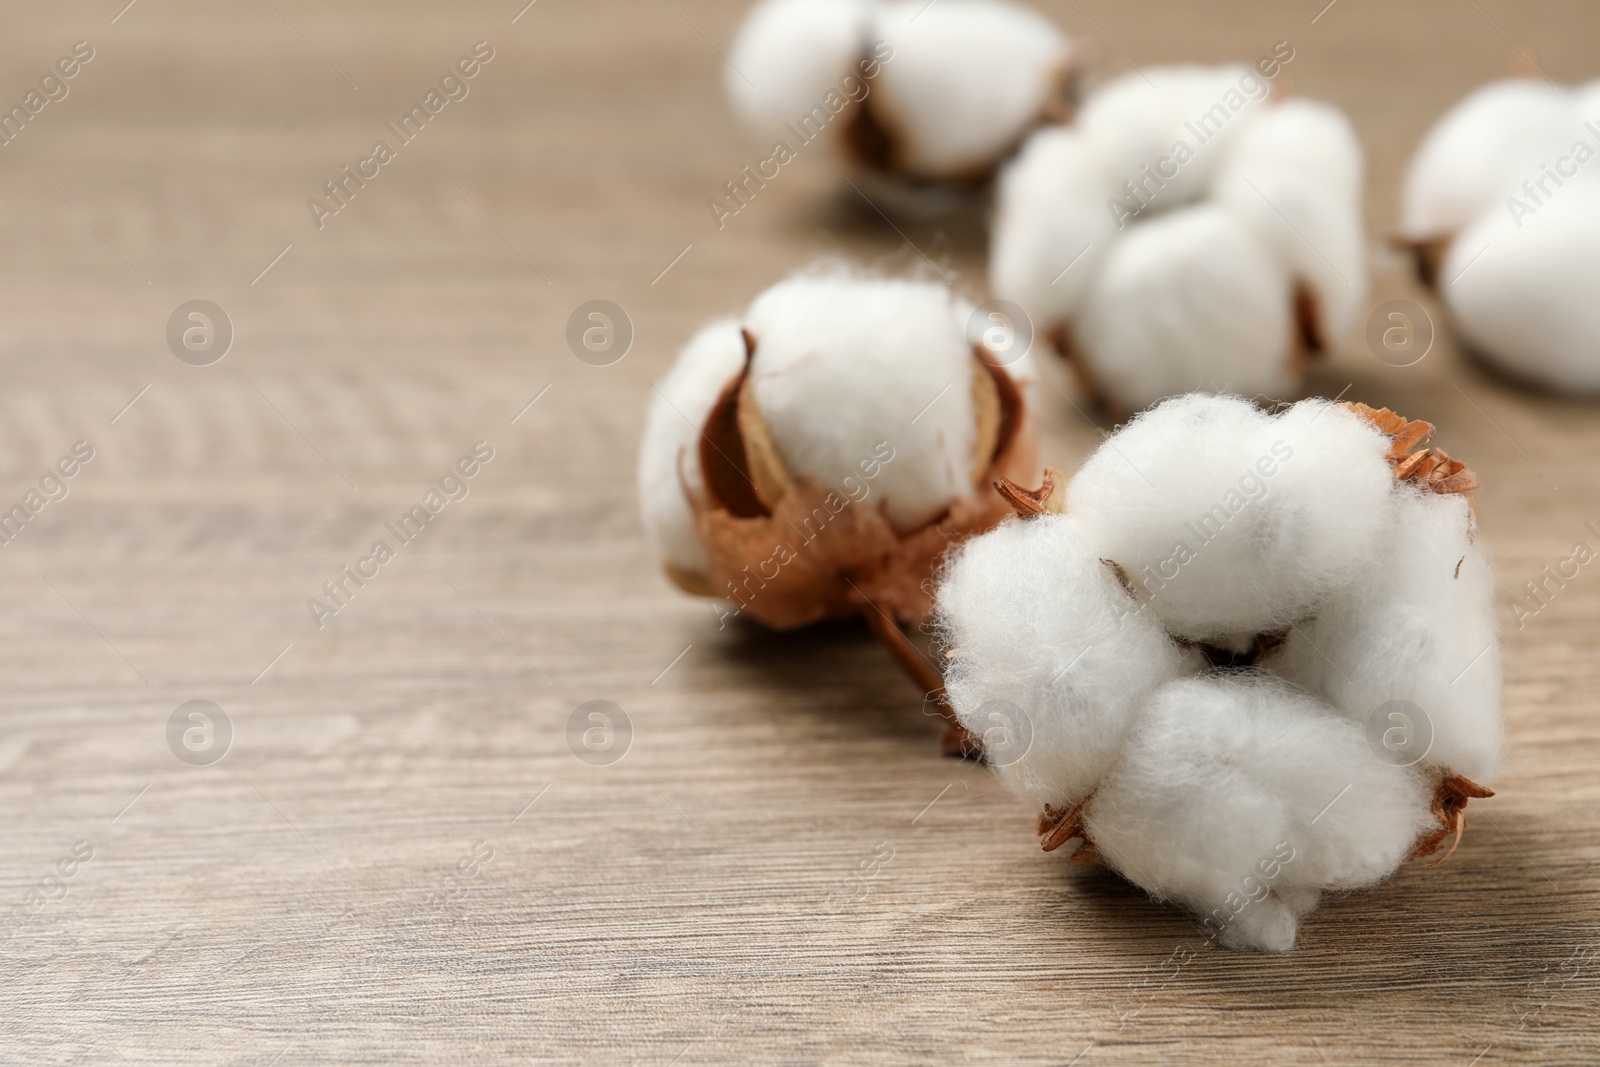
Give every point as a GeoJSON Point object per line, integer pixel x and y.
{"type": "Point", "coordinates": [792, 551]}
{"type": "Point", "coordinates": [1430, 468]}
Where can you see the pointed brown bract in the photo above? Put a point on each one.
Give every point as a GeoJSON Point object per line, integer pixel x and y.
{"type": "Point", "coordinates": [1403, 433]}
{"type": "Point", "coordinates": [1450, 808]}
{"type": "Point", "coordinates": [1057, 826]}
{"type": "Point", "coordinates": [1049, 498]}
{"type": "Point", "coordinates": [1430, 468]}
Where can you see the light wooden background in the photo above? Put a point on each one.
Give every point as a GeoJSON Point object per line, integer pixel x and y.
{"type": "Point", "coordinates": [673, 907]}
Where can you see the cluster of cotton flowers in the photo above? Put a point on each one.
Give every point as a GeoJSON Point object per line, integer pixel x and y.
{"type": "Point", "coordinates": [1502, 207]}
{"type": "Point", "coordinates": [1245, 658]}
{"type": "Point", "coordinates": [816, 457]}
{"type": "Point", "coordinates": [1187, 231]}
{"type": "Point", "coordinates": [922, 93]}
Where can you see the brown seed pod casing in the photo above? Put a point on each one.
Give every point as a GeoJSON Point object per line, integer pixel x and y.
{"type": "Point", "coordinates": [792, 551]}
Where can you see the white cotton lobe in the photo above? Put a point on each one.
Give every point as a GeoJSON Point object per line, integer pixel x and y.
{"type": "Point", "coordinates": [1191, 299]}
{"type": "Point", "coordinates": [678, 408]}
{"type": "Point", "coordinates": [1507, 186]}
{"type": "Point", "coordinates": [966, 80]}
{"type": "Point", "coordinates": [789, 55]}
{"type": "Point", "coordinates": [1480, 151]}
{"type": "Point", "coordinates": [1051, 227]}
{"type": "Point", "coordinates": [954, 87]}
{"type": "Point", "coordinates": [1188, 115]}
{"type": "Point", "coordinates": [1521, 291]}
{"type": "Point", "coordinates": [1242, 798]}
{"type": "Point", "coordinates": [1294, 178]}
{"type": "Point", "coordinates": [1413, 643]}
{"type": "Point", "coordinates": [845, 364]}
{"type": "Point", "coordinates": [1228, 520]}
{"type": "Point", "coordinates": [1052, 691]}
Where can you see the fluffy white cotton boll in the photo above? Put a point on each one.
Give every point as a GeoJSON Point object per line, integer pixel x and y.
{"type": "Point", "coordinates": [1242, 798]}
{"type": "Point", "coordinates": [789, 54]}
{"type": "Point", "coordinates": [843, 363]}
{"type": "Point", "coordinates": [967, 79]}
{"type": "Point", "coordinates": [678, 408]}
{"type": "Point", "coordinates": [1483, 148]}
{"type": "Point", "coordinates": [1138, 119]}
{"type": "Point", "coordinates": [1229, 521]}
{"type": "Point", "coordinates": [1414, 642]}
{"type": "Point", "coordinates": [1522, 292]}
{"type": "Point", "coordinates": [1189, 299]}
{"type": "Point", "coordinates": [1294, 176]}
{"type": "Point", "coordinates": [1314, 141]}
{"type": "Point", "coordinates": [1050, 216]}
{"type": "Point", "coordinates": [1052, 657]}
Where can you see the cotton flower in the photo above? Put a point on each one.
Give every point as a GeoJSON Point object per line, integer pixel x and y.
{"type": "Point", "coordinates": [1501, 208]}
{"type": "Point", "coordinates": [815, 457]}
{"type": "Point", "coordinates": [1244, 658]}
{"type": "Point", "coordinates": [925, 93]}
{"type": "Point", "coordinates": [1186, 232]}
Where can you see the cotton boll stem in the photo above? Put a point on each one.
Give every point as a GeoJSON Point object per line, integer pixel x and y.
{"type": "Point", "coordinates": [958, 741]}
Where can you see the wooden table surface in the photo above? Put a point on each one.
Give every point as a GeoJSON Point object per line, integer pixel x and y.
{"type": "Point", "coordinates": [400, 859]}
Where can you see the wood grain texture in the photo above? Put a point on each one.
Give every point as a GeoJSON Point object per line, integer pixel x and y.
{"type": "Point", "coordinates": [278, 906]}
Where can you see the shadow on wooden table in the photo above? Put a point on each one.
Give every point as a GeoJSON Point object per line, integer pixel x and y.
{"type": "Point", "coordinates": [832, 676]}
